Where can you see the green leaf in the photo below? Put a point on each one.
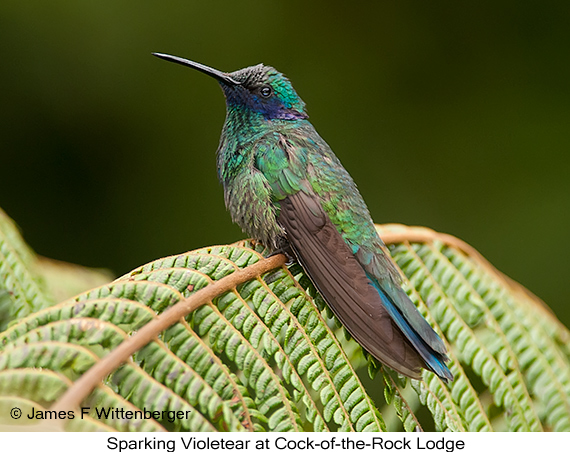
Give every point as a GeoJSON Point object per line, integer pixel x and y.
{"type": "Point", "coordinates": [267, 354]}
{"type": "Point", "coordinates": [29, 283]}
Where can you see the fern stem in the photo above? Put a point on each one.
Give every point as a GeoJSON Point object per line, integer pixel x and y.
{"type": "Point", "coordinates": [90, 379]}
{"type": "Point", "coordinates": [394, 234]}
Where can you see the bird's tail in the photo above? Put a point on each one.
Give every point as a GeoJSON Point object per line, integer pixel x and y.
{"type": "Point", "coordinates": [431, 353]}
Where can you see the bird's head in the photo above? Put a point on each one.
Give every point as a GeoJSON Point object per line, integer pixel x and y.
{"type": "Point", "coordinates": [258, 89]}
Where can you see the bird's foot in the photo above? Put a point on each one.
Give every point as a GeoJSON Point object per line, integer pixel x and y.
{"type": "Point", "coordinates": [285, 248]}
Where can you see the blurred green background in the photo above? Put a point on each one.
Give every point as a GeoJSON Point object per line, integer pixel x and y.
{"type": "Point", "coordinates": [453, 116]}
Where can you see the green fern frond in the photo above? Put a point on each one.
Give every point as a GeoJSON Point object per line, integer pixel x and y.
{"type": "Point", "coordinates": [432, 280]}
{"type": "Point", "coordinates": [276, 316]}
{"type": "Point", "coordinates": [21, 292]}
{"type": "Point", "coordinates": [547, 371]}
{"type": "Point", "coordinates": [496, 331]}
{"type": "Point", "coordinates": [267, 354]}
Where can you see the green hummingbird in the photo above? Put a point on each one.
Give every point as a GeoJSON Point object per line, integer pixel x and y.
{"type": "Point", "coordinates": [286, 188]}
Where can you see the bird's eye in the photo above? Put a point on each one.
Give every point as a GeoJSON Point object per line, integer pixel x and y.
{"type": "Point", "coordinates": [265, 91]}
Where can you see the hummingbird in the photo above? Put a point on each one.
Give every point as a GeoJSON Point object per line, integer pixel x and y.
{"type": "Point", "coordinates": [287, 189]}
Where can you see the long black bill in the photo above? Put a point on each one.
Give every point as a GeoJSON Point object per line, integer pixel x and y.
{"type": "Point", "coordinates": [218, 75]}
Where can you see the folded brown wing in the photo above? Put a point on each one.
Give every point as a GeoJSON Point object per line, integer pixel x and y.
{"type": "Point", "coordinates": [342, 282]}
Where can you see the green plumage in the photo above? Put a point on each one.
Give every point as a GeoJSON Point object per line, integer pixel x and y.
{"type": "Point", "coordinates": [285, 187]}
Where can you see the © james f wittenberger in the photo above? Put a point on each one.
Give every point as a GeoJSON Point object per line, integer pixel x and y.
{"type": "Point", "coordinates": [111, 413]}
